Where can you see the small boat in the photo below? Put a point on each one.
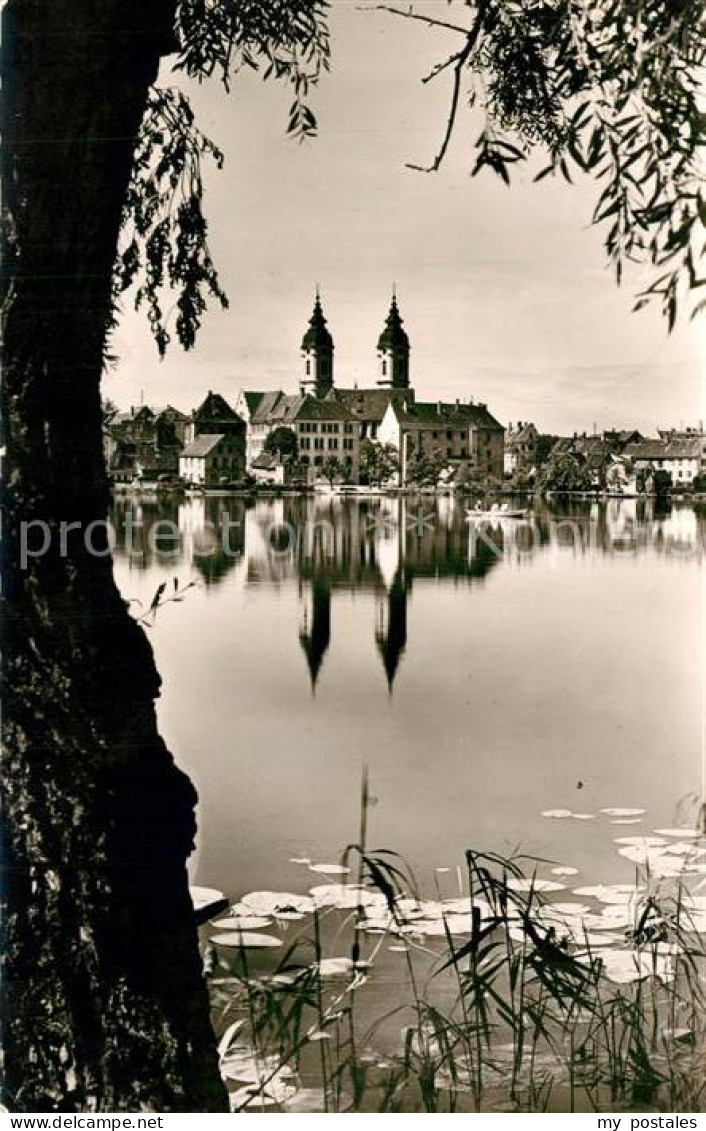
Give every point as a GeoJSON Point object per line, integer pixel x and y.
{"type": "Point", "coordinates": [497, 512]}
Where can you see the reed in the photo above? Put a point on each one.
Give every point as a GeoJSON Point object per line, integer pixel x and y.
{"type": "Point", "coordinates": [517, 1013]}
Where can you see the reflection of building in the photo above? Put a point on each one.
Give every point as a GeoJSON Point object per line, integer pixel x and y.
{"type": "Point", "coordinates": [315, 629]}
{"type": "Point", "coordinates": [391, 627]}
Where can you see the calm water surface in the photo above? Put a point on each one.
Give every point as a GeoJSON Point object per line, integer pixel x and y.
{"type": "Point", "coordinates": [482, 678]}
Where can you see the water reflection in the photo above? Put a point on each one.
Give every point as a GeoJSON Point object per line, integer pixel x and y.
{"type": "Point", "coordinates": [382, 545]}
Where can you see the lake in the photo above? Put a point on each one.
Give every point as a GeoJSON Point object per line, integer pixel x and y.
{"type": "Point", "coordinates": [484, 674]}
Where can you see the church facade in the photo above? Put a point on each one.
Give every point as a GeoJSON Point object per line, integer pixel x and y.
{"type": "Point", "coordinates": [332, 422]}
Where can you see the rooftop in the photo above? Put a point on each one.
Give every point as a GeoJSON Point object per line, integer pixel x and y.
{"type": "Point", "coordinates": [203, 445]}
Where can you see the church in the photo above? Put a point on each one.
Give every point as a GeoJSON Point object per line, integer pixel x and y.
{"type": "Point", "coordinates": [331, 422]}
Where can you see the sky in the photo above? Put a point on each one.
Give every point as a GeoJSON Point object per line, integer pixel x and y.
{"type": "Point", "coordinates": [505, 293]}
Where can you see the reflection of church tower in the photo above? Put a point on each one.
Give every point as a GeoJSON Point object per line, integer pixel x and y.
{"type": "Point", "coordinates": [315, 631]}
{"type": "Point", "coordinates": [391, 630]}
{"type": "Point", "coordinates": [317, 354]}
{"type": "Point", "coordinates": [393, 351]}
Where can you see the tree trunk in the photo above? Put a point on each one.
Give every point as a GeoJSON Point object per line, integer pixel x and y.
{"type": "Point", "coordinates": [104, 1003]}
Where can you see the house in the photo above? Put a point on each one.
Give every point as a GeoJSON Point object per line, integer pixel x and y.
{"type": "Point", "coordinates": [323, 427]}
{"type": "Point", "coordinates": [215, 417]}
{"type": "Point", "coordinates": [212, 460]}
{"type": "Point", "coordinates": [520, 447]}
{"type": "Point", "coordinates": [256, 409]}
{"type": "Point", "coordinates": [271, 467]}
{"type": "Point", "coordinates": [461, 433]}
{"type": "Point", "coordinates": [144, 443]}
{"type": "Point", "coordinates": [684, 458]}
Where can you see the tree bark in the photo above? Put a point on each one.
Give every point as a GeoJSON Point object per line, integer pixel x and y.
{"type": "Point", "coordinates": [104, 1002]}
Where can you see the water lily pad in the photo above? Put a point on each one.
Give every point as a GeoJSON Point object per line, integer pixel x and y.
{"type": "Point", "coordinates": [584, 816]}
{"type": "Point", "coordinates": [253, 1096]}
{"type": "Point", "coordinates": [335, 967]}
{"type": "Point", "coordinates": [610, 893]}
{"type": "Point", "coordinates": [618, 812]}
{"type": "Point", "coordinates": [250, 940]}
{"type": "Point", "coordinates": [691, 833]}
{"type": "Point", "coordinates": [345, 896]}
{"type": "Point", "coordinates": [627, 821]}
{"type": "Point", "coordinates": [201, 896]}
{"type": "Point", "coordinates": [642, 841]}
{"type": "Point", "coordinates": [623, 966]}
{"type": "Point", "coordinates": [248, 1099]}
{"type": "Point", "coordinates": [250, 923]}
{"type": "Point", "coordinates": [557, 814]}
{"type": "Point", "coordinates": [564, 870]}
{"type": "Point", "coordinates": [520, 883]}
{"type": "Point", "coordinates": [300, 860]}
{"type": "Point", "coordinates": [270, 902]}
{"type": "Point", "coordinates": [330, 869]}
{"type": "Point", "coordinates": [451, 924]}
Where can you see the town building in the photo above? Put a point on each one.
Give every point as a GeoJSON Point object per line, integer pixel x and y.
{"type": "Point", "coordinates": [460, 433]}
{"type": "Point", "coordinates": [144, 443]}
{"type": "Point", "coordinates": [520, 447]}
{"type": "Point", "coordinates": [212, 460]}
{"type": "Point", "coordinates": [683, 457]}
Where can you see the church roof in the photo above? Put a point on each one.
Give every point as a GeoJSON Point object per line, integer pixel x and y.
{"type": "Point", "coordinates": [369, 405]}
{"type": "Point", "coordinates": [285, 409]}
{"type": "Point", "coordinates": [317, 337]}
{"type": "Point", "coordinates": [393, 337]}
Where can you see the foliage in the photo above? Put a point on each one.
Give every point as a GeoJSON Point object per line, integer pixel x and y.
{"type": "Point", "coordinates": [520, 1004]}
{"type": "Point", "coordinates": [164, 231]}
{"type": "Point", "coordinates": [661, 482]}
{"type": "Point", "coordinates": [566, 472]}
{"type": "Point", "coordinates": [164, 241]}
{"type": "Point", "coordinates": [287, 39]}
{"type": "Point", "coordinates": [425, 468]}
{"type": "Point", "coordinates": [608, 88]}
{"type": "Point", "coordinates": [332, 469]}
{"type": "Point", "coordinates": [282, 440]}
{"type": "Point", "coordinates": [379, 463]}
{"type": "Point", "coordinates": [543, 446]}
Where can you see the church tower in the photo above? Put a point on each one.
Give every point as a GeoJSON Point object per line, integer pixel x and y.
{"type": "Point", "coordinates": [393, 351]}
{"type": "Point", "coordinates": [317, 354]}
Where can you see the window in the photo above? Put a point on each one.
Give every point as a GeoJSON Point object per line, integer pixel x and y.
{"type": "Point", "coordinates": [308, 367]}
{"type": "Point", "coordinates": [384, 367]}
{"type": "Point", "coordinates": [463, 453]}
{"type": "Point", "coordinates": [449, 451]}
{"type": "Point", "coordinates": [333, 442]}
{"type": "Point", "coordinates": [449, 435]}
{"type": "Point", "coordinates": [435, 435]}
